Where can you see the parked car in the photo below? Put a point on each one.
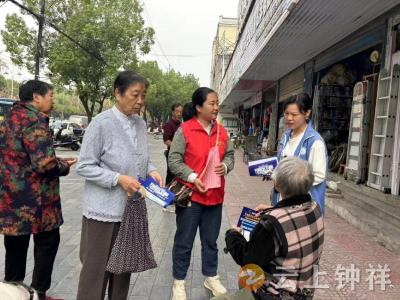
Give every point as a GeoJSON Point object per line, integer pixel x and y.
{"type": "Point", "coordinates": [5, 107]}
{"type": "Point", "coordinates": [66, 128]}
{"type": "Point", "coordinates": [82, 121]}
{"type": "Point", "coordinates": [70, 128]}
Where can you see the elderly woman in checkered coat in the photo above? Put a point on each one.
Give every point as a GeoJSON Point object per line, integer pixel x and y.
{"type": "Point", "coordinates": [287, 243]}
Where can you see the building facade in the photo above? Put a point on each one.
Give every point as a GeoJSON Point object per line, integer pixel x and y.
{"type": "Point", "coordinates": [346, 55]}
{"type": "Point", "coordinates": [222, 48]}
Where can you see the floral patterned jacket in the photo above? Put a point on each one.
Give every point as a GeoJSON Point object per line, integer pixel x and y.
{"type": "Point", "coordinates": [29, 173]}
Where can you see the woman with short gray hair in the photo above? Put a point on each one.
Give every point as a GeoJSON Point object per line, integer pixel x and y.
{"type": "Point", "coordinates": [293, 176]}
{"type": "Point", "coordinates": [287, 243]}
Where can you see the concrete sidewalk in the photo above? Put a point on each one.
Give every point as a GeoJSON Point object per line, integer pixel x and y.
{"type": "Point", "coordinates": [154, 284]}
{"type": "Point", "coordinates": [344, 245]}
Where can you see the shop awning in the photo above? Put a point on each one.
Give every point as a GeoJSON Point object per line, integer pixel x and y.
{"type": "Point", "coordinates": [284, 35]}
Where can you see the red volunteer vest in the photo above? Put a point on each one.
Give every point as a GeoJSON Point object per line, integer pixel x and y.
{"type": "Point", "coordinates": [198, 145]}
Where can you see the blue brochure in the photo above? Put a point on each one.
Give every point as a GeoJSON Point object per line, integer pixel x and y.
{"type": "Point", "coordinates": [152, 191]}
{"type": "Point", "coordinates": [247, 221]}
{"type": "Point", "coordinates": [262, 167]}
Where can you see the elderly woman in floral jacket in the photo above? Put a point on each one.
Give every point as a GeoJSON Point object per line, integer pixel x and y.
{"type": "Point", "coordinates": [29, 186]}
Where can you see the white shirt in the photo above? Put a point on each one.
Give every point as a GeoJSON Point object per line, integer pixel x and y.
{"type": "Point", "coordinates": [317, 156]}
{"type": "Point", "coordinates": [128, 124]}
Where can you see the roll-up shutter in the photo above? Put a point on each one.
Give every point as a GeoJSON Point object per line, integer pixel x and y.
{"type": "Point", "coordinates": [367, 37]}
{"type": "Point", "coordinates": [291, 84]}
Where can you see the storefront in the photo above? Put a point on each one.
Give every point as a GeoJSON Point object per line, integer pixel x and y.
{"type": "Point", "coordinates": [343, 116]}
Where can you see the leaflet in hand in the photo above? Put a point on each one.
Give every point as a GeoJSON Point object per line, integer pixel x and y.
{"type": "Point", "coordinates": [262, 167]}
{"type": "Point", "coordinates": [152, 191]}
{"type": "Point", "coordinates": [248, 221]}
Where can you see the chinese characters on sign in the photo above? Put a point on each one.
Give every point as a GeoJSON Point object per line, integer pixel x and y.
{"type": "Point", "coordinates": [376, 276]}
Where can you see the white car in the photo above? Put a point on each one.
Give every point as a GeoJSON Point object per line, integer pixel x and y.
{"type": "Point", "coordinates": [70, 128]}
{"type": "Point", "coordinates": [67, 128]}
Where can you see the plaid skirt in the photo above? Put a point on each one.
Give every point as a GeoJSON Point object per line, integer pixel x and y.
{"type": "Point", "coordinates": [132, 252]}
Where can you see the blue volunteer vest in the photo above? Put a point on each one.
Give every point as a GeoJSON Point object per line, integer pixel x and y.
{"type": "Point", "coordinates": [303, 152]}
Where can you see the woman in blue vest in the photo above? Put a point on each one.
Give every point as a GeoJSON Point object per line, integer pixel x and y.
{"type": "Point", "coordinates": [303, 141]}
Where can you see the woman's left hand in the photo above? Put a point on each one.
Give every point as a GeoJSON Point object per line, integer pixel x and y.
{"type": "Point", "coordinates": [220, 169]}
{"type": "Point", "coordinates": [157, 177]}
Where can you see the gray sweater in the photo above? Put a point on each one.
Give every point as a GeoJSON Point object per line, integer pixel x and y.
{"type": "Point", "coordinates": [107, 150]}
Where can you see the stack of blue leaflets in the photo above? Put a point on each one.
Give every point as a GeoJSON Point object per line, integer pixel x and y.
{"type": "Point", "coordinates": [262, 167]}
{"type": "Point", "coordinates": [152, 191]}
{"type": "Point", "coordinates": [247, 221]}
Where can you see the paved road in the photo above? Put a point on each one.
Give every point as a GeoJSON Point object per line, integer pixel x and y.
{"type": "Point", "coordinates": [343, 245]}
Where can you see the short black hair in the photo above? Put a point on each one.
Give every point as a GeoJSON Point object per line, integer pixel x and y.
{"type": "Point", "coordinates": [187, 112]}
{"type": "Point", "coordinates": [302, 100]}
{"type": "Point", "coordinates": [27, 89]}
{"type": "Point", "coordinates": [126, 78]}
{"type": "Point", "coordinates": [200, 96]}
{"type": "Point", "coordinates": [175, 105]}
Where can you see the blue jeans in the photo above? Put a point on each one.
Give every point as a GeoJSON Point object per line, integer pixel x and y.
{"type": "Point", "coordinates": [208, 220]}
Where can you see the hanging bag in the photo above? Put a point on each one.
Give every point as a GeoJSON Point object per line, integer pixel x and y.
{"type": "Point", "coordinates": [183, 193]}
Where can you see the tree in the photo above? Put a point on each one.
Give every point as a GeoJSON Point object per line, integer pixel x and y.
{"type": "Point", "coordinates": [165, 89]}
{"type": "Point", "coordinates": [3, 84]}
{"type": "Point", "coordinates": [112, 31]}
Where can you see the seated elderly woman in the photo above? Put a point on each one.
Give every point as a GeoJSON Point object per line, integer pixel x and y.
{"type": "Point", "coordinates": [287, 243]}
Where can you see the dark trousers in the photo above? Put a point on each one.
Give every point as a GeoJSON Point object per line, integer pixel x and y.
{"type": "Point", "coordinates": [208, 220]}
{"type": "Point", "coordinates": [97, 240]}
{"type": "Point", "coordinates": [45, 250]}
{"type": "Point", "coordinates": [170, 176]}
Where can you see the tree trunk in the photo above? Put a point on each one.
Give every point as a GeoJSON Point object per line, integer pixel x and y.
{"type": "Point", "coordinates": [101, 104]}
{"type": "Point", "coordinates": [92, 106]}
{"type": "Point", "coordinates": [84, 101]}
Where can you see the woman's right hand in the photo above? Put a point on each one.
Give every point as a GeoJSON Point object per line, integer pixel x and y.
{"type": "Point", "coordinates": [261, 207]}
{"type": "Point", "coordinates": [129, 184]}
{"type": "Point", "coordinates": [199, 185]}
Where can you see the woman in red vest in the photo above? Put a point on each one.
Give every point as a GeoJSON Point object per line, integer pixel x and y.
{"type": "Point", "coordinates": [188, 157]}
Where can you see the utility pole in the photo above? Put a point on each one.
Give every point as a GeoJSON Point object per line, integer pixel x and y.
{"type": "Point", "coordinates": [39, 49]}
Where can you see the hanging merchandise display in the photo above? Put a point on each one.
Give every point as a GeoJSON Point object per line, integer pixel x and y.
{"type": "Point", "coordinates": [332, 114]}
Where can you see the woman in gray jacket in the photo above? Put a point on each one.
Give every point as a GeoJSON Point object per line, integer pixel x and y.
{"type": "Point", "coordinates": [114, 156]}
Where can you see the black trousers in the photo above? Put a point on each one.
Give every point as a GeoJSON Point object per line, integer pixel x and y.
{"type": "Point", "coordinates": [45, 250]}
{"type": "Point", "coordinates": [170, 176]}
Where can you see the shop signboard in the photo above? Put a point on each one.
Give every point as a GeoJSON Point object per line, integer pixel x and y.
{"type": "Point", "coordinates": [254, 35]}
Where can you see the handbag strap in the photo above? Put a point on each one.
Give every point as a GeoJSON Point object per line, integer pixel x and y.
{"type": "Point", "coordinates": [216, 144]}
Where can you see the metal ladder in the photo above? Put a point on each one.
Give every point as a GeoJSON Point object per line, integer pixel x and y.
{"type": "Point", "coordinates": [383, 134]}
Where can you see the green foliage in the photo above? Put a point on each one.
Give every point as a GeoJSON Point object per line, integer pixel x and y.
{"type": "Point", "coordinates": [113, 31]}
{"type": "Point", "coordinates": [20, 41]}
{"type": "Point", "coordinates": [66, 104]}
{"type": "Point", "coordinates": [3, 83]}
{"type": "Point", "coordinates": [166, 89]}
{"type": "Point", "coordinates": [8, 88]}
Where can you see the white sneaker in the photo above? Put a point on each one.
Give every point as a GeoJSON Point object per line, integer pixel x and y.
{"type": "Point", "coordinates": [215, 286]}
{"type": "Point", "coordinates": [178, 290]}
